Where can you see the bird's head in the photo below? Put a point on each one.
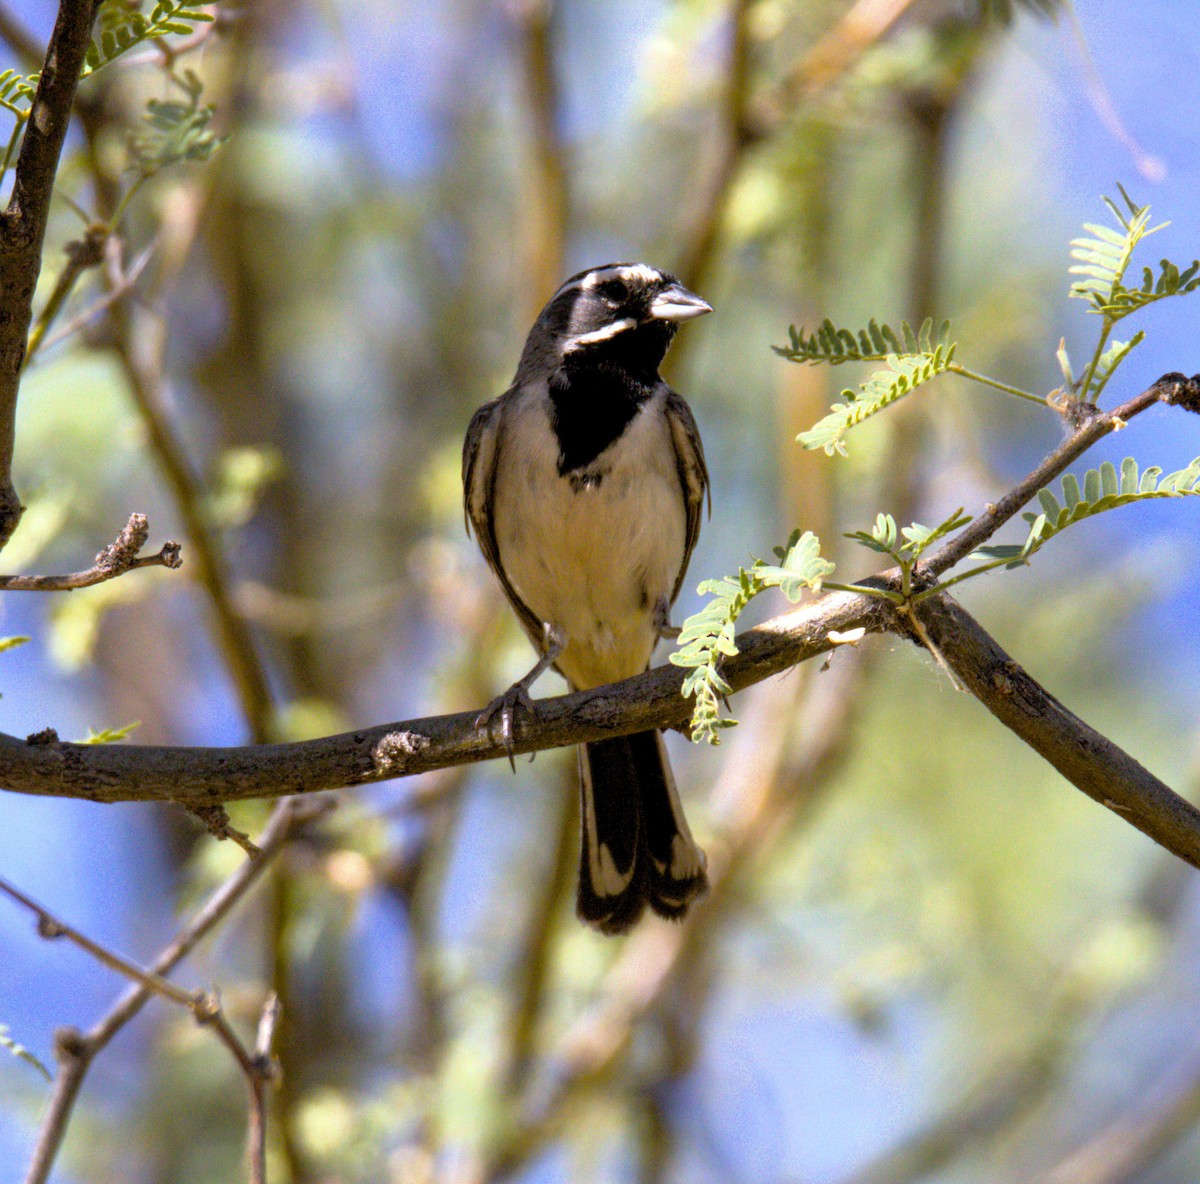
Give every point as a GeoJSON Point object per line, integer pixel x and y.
{"type": "Point", "coordinates": [622, 314]}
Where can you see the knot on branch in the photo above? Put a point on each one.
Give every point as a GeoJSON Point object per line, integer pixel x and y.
{"type": "Point", "coordinates": [1177, 390]}
{"type": "Point", "coordinates": [70, 1044]}
{"type": "Point", "coordinates": [46, 738]}
{"type": "Point", "coordinates": [391, 752]}
{"type": "Point", "coordinates": [1076, 413]}
{"type": "Point", "coordinates": [118, 557]}
{"type": "Point", "coordinates": [89, 250]}
{"type": "Point", "coordinates": [217, 822]}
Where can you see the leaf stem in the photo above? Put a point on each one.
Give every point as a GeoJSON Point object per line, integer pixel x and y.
{"type": "Point", "coordinates": [963, 372]}
{"type": "Point", "coordinates": [1089, 375]}
{"type": "Point", "coordinates": [865, 590]}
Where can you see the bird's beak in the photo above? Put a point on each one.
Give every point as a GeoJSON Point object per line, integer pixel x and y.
{"type": "Point", "coordinates": [676, 303]}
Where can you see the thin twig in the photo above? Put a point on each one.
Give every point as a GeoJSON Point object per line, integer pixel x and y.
{"type": "Point", "coordinates": [119, 557]}
{"type": "Point", "coordinates": [82, 255]}
{"type": "Point", "coordinates": [1171, 388]}
{"type": "Point", "coordinates": [51, 928]}
{"type": "Point", "coordinates": [128, 280]}
{"type": "Point", "coordinates": [547, 196]}
{"type": "Point", "coordinates": [75, 1050]}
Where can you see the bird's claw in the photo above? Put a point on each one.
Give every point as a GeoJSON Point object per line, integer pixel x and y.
{"type": "Point", "coordinates": [507, 706]}
{"type": "Point", "coordinates": [662, 621]}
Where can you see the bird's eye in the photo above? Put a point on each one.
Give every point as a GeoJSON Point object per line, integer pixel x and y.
{"type": "Point", "coordinates": [614, 290]}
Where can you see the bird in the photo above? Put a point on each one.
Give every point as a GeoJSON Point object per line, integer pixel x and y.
{"type": "Point", "coordinates": [584, 484]}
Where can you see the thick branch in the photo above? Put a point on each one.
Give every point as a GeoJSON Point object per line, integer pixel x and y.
{"type": "Point", "coordinates": [23, 224]}
{"type": "Point", "coordinates": [116, 559]}
{"type": "Point", "coordinates": [112, 773]}
{"type": "Point", "coordinates": [1090, 761]}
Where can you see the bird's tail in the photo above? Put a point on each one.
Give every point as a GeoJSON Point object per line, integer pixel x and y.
{"type": "Point", "coordinates": [637, 849]}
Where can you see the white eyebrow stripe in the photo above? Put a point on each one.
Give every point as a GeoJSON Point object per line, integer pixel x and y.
{"type": "Point", "coordinates": [598, 335]}
{"type": "Point", "coordinates": [625, 271]}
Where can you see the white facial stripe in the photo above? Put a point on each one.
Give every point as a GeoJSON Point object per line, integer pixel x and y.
{"type": "Point", "coordinates": [632, 271]}
{"type": "Point", "coordinates": [626, 271]}
{"type": "Point", "coordinates": [598, 335]}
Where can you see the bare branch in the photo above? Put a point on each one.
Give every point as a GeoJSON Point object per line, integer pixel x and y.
{"type": "Point", "coordinates": [1173, 389]}
{"type": "Point", "coordinates": [1090, 761]}
{"type": "Point", "coordinates": [119, 557]}
{"type": "Point", "coordinates": [23, 224]}
{"type": "Point", "coordinates": [75, 1050]}
{"type": "Point", "coordinates": [51, 928]}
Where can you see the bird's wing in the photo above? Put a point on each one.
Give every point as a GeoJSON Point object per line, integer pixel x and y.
{"type": "Point", "coordinates": [481, 450]}
{"type": "Point", "coordinates": [693, 474]}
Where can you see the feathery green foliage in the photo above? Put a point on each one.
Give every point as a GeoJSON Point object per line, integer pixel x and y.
{"type": "Point", "coordinates": [875, 343]}
{"type": "Point", "coordinates": [904, 373]}
{"type": "Point", "coordinates": [121, 27]}
{"type": "Point", "coordinates": [708, 636]}
{"type": "Point", "coordinates": [1104, 259]}
{"type": "Point", "coordinates": [22, 1053]}
{"type": "Point", "coordinates": [1103, 489]}
{"type": "Point", "coordinates": [16, 92]}
{"type": "Point", "coordinates": [884, 536]}
{"type": "Point", "coordinates": [176, 130]}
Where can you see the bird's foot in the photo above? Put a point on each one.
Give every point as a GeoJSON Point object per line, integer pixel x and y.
{"type": "Point", "coordinates": [516, 700]}
{"type": "Point", "coordinates": [506, 708]}
{"type": "Point", "coordinates": [662, 620]}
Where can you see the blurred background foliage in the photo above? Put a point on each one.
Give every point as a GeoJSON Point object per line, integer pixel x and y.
{"type": "Point", "coordinates": [926, 957]}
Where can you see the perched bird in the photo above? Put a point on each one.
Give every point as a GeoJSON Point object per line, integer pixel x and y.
{"type": "Point", "coordinates": [584, 483]}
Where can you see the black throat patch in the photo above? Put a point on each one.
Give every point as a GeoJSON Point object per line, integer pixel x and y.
{"type": "Point", "coordinates": [592, 405]}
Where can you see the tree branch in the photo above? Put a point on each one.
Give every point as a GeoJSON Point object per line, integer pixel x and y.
{"type": "Point", "coordinates": [116, 559]}
{"type": "Point", "coordinates": [23, 224]}
{"type": "Point", "coordinates": [111, 773]}
{"type": "Point", "coordinates": [1090, 761]}
{"type": "Point", "coordinates": [1174, 389]}
{"type": "Point", "coordinates": [76, 1050]}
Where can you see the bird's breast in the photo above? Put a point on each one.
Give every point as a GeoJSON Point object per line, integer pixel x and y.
{"type": "Point", "coordinates": [591, 550]}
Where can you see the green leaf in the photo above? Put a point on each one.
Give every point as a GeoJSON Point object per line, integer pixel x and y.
{"type": "Point", "coordinates": [11, 643]}
{"type": "Point", "coordinates": [1104, 489]}
{"type": "Point", "coordinates": [920, 538]}
{"type": "Point", "coordinates": [22, 1053]}
{"type": "Point", "coordinates": [109, 735]}
{"type": "Point", "coordinates": [708, 635]}
{"type": "Point", "coordinates": [1103, 260]}
{"type": "Point", "coordinates": [903, 375]}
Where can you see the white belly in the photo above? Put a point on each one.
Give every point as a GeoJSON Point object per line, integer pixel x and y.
{"type": "Point", "coordinates": [594, 560]}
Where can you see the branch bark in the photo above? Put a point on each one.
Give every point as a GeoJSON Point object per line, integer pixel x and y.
{"type": "Point", "coordinates": [1090, 761]}
{"type": "Point", "coordinates": [23, 224]}
{"type": "Point", "coordinates": [116, 559]}
{"type": "Point", "coordinates": [77, 1050]}
{"type": "Point", "coordinates": [44, 765]}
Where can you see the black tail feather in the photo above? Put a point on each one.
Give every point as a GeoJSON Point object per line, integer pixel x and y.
{"type": "Point", "coordinates": [637, 849]}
